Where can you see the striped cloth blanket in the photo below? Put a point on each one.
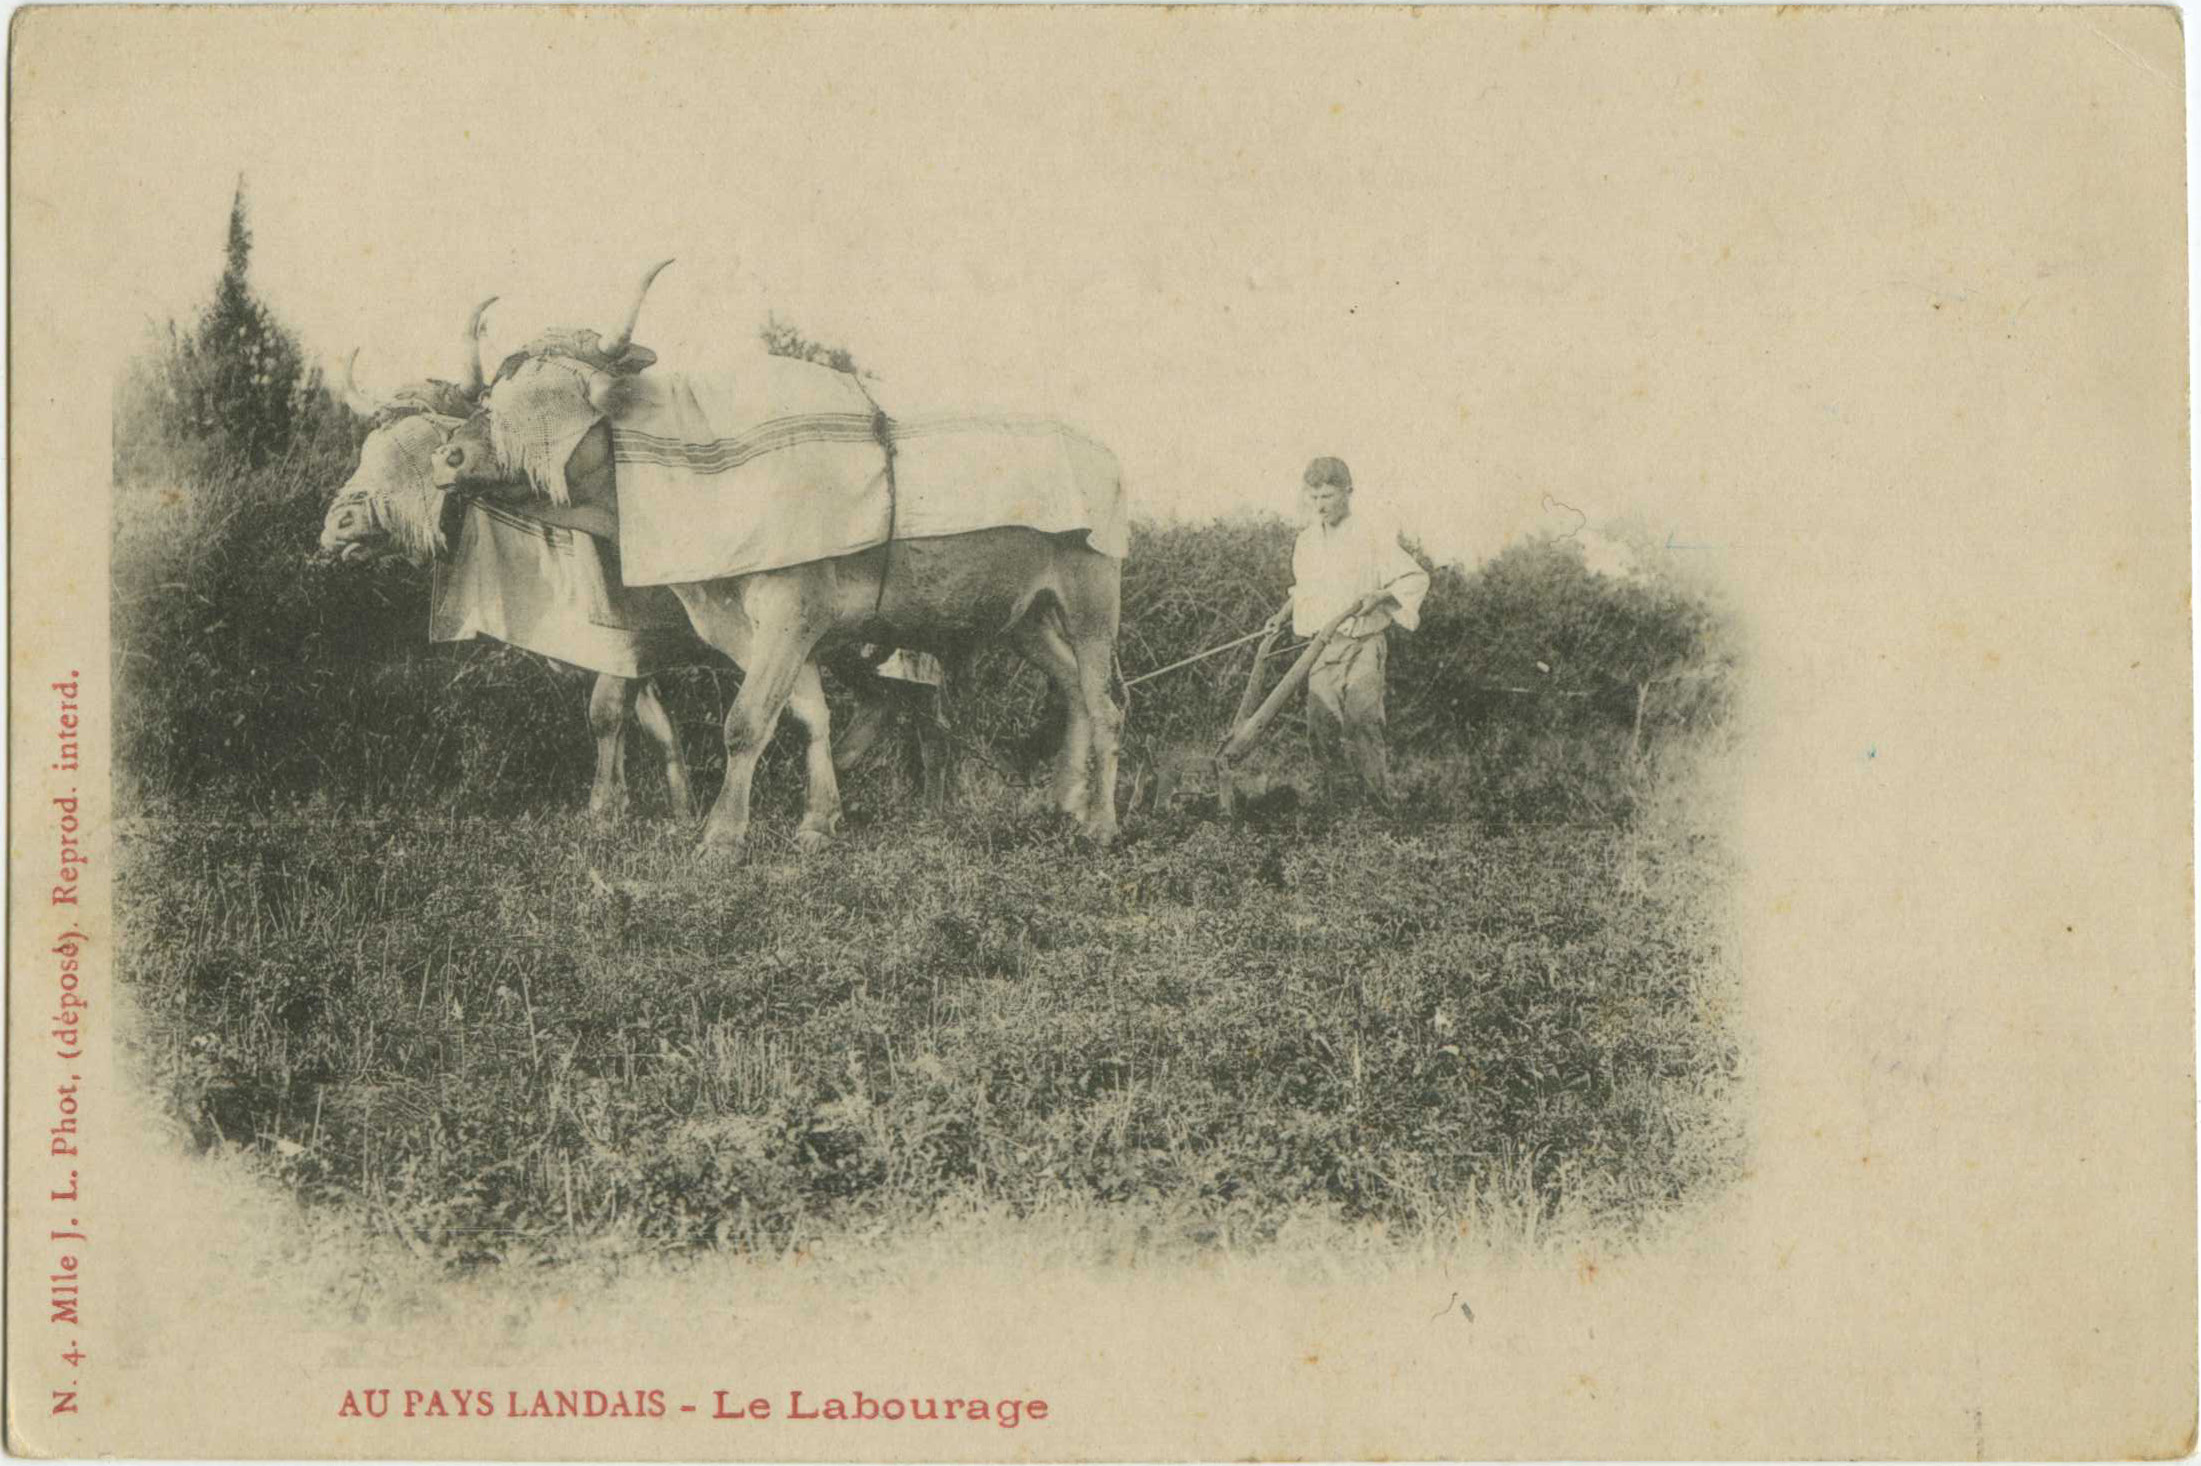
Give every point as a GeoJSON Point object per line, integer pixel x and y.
{"type": "Point", "coordinates": [781, 464]}
{"type": "Point", "coordinates": [554, 590]}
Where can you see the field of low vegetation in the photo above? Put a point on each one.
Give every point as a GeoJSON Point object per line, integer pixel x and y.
{"type": "Point", "coordinates": [373, 944]}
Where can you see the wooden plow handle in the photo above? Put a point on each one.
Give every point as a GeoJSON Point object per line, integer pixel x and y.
{"type": "Point", "coordinates": [1247, 729]}
{"type": "Point", "coordinates": [1252, 694]}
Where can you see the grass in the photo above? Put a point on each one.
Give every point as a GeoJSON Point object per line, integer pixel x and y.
{"type": "Point", "coordinates": [505, 1040]}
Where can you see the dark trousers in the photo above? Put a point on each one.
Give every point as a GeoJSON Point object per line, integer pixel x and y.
{"type": "Point", "coordinates": [1345, 713]}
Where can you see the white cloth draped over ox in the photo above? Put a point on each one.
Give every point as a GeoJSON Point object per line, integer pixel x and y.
{"type": "Point", "coordinates": [555, 591]}
{"type": "Point", "coordinates": [780, 464]}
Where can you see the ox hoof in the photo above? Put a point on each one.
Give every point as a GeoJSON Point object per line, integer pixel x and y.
{"type": "Point", "coordinates": [717, 846]}
{"type": "Point", "coordinates": [810, 842]}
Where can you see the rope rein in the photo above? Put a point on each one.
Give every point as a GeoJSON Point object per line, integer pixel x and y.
{"type": "Point", "coordinates": [882, 428]}
{"type": "Point", "coordinates": [1128, 683]}
{"type": "Point", "coordinates": [1213, 651]}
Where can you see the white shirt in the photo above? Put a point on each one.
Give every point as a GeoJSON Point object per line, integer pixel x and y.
{"type": "Point", "coordinates": [1333, 568]}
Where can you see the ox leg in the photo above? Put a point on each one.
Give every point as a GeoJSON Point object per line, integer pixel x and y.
{"type": "Point", "coordinates": [822, 804]}
{"type": "Point", "coordinates": [874, 707]}
{"type": "Point", "coordinates": [936, 748]}
{"type": "Point", "coordinates": [767, 629]}
{"type": "Point", "coordinates": [772, 662]}
{"type": "Point", "coordinates": [650, 713]}
{"type": "Point", "coordinates": [863, 731]}
{"type": "Point", "coordinates": [1094, 610]}
{"type": "Point", "coordinates": [1095, 672]}
{"type": "Point", "coordinates": [749, 725]}
{"type": "Point", "coordinates": [1042, 640]}
{"type": "Point", "coordinates": [610, 704]}
{"type": "Point", "coordinates": [935, 710]}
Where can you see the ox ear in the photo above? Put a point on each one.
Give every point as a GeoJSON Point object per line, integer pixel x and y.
{"type": "Point", "coordinates": [603, 392]}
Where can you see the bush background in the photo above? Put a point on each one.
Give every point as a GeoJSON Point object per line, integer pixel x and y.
{"type": "Point", "coordinates": [252, 673]}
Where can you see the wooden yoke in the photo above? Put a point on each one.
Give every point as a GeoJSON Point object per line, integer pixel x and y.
{"type": "Point", "coordinates": [1246, 731]}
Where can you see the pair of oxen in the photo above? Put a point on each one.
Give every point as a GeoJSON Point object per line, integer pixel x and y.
{"type": "Point", "coordinates": [1051, 596]}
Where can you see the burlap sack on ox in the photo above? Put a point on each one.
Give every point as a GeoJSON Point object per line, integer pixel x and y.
{"type": "Point", "coordinates": [956, 472]}
{"type": "Point", "coordinates": [555, 591]}
{"type": "Point", "coordinates": [783, 463]}
{"type": "Point", "coordinates": [537, 430]}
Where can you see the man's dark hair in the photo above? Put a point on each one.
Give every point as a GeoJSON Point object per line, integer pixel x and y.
{"type": "Point", "coordinates": [1329, 471]}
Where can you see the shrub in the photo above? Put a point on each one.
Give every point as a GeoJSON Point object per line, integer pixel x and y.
{"type": "Point", "coordinates": [246, 669]}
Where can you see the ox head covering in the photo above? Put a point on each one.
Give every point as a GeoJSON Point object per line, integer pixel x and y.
{"type": "Point", "coordinates": [388, 505]}
{"type": "Point", "coordinates": [438, 398]}
{"type": "Point", "coordinates": [584, 346]}
{"type": "Point", "coordinates": [544, 400]}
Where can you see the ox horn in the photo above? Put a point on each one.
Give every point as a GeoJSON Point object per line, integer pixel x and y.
{"type": "Point", "coordinates": [474, 379]}
{"type": "Point", "coordinates": [616, 347]}
{"type": "Point", "coordinates": [355, 399]}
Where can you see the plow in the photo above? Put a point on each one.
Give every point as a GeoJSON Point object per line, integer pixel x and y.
{"type": "Point", "coordinates": [1255, 712]}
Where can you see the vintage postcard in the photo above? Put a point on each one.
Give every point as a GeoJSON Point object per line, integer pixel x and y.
{"type": "Point", "coordinates": [1094, 733]}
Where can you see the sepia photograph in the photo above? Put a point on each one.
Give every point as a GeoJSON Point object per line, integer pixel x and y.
{"type": "Point", "coordinates": [1100, 733]}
